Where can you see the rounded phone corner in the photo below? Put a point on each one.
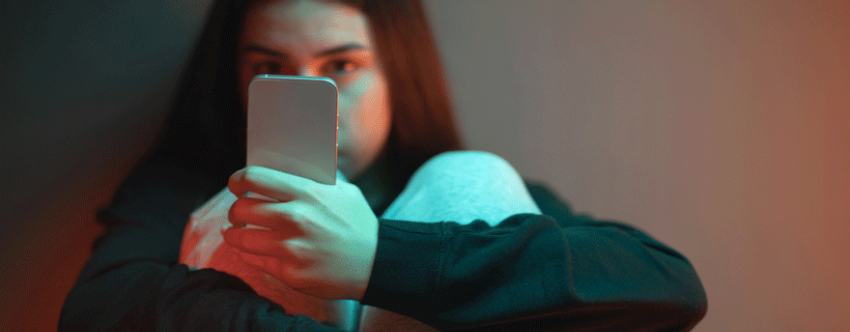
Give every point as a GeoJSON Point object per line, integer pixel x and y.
{"type": "Point", "coordinates": [328, 81]}
{"type": "Point", "coordinates": [268, 77]}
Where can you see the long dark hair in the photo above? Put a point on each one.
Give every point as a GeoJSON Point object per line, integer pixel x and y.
{"type": "Point", "coordinates": [205, 132]}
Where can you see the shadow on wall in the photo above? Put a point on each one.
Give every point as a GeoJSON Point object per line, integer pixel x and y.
{"type": "Point", "coordinates": [84, 88]}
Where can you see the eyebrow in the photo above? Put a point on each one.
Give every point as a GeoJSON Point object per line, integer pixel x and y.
{"type": "Point", "coordinates": [335, 50]}
{"type": "Point", "coordinates": [341, 49]}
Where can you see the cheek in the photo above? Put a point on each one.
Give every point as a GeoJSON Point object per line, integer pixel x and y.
{"type": "Point", "coordinates": [365, 115]}
{"type": "Point", "coordinates": [375, 115]}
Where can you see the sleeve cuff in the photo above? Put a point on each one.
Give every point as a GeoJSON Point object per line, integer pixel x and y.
{"type": "Point", "coordinates": [408, 264]}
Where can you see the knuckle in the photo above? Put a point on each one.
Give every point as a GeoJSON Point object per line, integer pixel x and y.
{"type": "Point", "coordinates": [233, 237]}
{"type": "Point", "coordinates": [239, 180]}
{"type": "Point", "coordinates": [294, 280]}
{"type": "Point", "coordinates": [251, 174]}
{"type": "Point", "coordinates": [298, 255]}
{"type": "Point", "coordinates": [297, 278]}
{"type": "Point", "coordinates": [293, 211]}
{"type": "Point", "coordinates": [239, 211]}
{"type": "Point", "coordinates": [232, 183]}
{"type": "Point", "coordinates": [233, 214]}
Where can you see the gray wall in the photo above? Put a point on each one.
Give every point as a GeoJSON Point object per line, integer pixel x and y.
{"type": "Point", "coordinates": [84, 86]}
{"type": "Point", "coordinates": [719, 127]}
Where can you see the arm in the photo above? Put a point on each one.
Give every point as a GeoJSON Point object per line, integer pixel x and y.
{"type": "Point", "coordinates": [553, 269]}
{"type": "Point", "coordinates": [133, 282]}
{"type": "Point", "coordinates": [541, 272]}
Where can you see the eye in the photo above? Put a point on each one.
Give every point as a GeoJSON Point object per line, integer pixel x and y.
{"type": "Point", "coordinates": [267, 68]}
{"type": "Point", "coordinates": [340, 67]}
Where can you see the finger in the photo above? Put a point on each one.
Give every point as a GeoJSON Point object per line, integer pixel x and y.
{"type": "Point", "coordinates": [271, 183]}
{"type": "Point", "coordinates": [258, 242]}
{"type": "Point", "coordinates": [274, 216]}
{"type": "Point", "coordinates": [283, 271]}
{"type": "Point", "coordinates": [263, 263]}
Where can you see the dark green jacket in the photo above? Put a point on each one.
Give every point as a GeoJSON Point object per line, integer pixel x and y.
{"type": "Point", "coordinates": [553, 272]}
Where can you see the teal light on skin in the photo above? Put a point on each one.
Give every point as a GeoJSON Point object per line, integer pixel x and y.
{"type": "Point", "coordinates": [323, 39]}
{"type": "Point", "coordinates": [326, 39]}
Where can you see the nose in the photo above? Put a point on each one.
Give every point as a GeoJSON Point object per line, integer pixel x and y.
{"type": "Point", "coordinates": [304, 71]}
{"type": "Point", "coordinates": [307, 72]}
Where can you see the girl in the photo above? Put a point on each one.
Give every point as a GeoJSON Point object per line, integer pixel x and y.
{"type": "Point", "coordinates": [462, 241]}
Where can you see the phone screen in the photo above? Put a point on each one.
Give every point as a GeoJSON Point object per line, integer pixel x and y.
{"type": "Point", "coordinates": [292, 125]}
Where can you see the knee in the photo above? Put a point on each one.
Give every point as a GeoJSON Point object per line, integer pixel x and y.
{"type": "Point", "coordinates": [466, 157]}
{"type": "Point", "coordinates": [463, 185]}
{"type": "Point", "coordinates": [465, 163]}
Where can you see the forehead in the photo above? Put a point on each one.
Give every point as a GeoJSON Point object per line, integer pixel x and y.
{"type": "Point", "coordinates": [304, 23]}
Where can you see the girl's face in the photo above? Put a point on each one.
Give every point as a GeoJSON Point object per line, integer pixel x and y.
{"type": "Point", "coordinates": [327, 39]}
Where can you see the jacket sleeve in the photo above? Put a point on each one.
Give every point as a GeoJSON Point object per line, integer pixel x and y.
{"type": "Point", "coordinates": [551, 272]}
{"type": "Point", "coordinates": [132, 281]}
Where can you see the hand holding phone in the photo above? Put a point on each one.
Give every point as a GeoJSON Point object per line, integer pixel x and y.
{"type": "Point", "coordinates": [293, 128]}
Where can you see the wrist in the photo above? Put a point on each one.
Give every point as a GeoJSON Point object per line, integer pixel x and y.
{"type": "Point", "coordinates": [406, 266]}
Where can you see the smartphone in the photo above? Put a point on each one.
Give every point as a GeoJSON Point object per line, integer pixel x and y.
{"type": "Point", "coordinates": [293, 125]}
{"type": "Point", "coordinates": [293, 128]}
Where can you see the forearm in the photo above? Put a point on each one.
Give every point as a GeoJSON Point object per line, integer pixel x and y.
{"type": "Point", "coordinates": [132, 280]}
{"type": "Point", "coordinates": [138, 291]}
{"type": "Point", "coordinates": [529, 271]}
